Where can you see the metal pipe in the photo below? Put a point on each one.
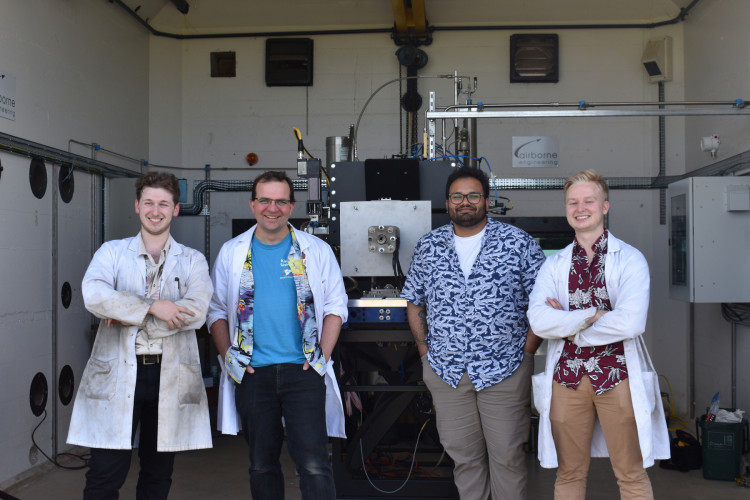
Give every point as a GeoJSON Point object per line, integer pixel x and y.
{"type": "Point", "coordinates": [362, 112]}
{"type": "Point", "coordinates": [691, 363]}
{"type": "Point", "coordinates": [662, 158]}
{"type": "Point", "coordinates": [95, 212]}
{"type": "Point", "coordinates": [584, 113]}
{"type": "Point", "coordinates": [471, 126]}
{"type": "Point", "coordinates": [55, 312]}
{"type": "Point", "coordinates": [140, 162]}
{"type": "Point", "coordinates": [739, 103]}
{"type": "Point", "coordinates": [105, 210]}
{"type": "Point", "coordinates": [73, 141]}
{"type": "Point", "coordinates": [178, 36]}
{"type": "Point", "coordinates": [207, 219]}
{"type": "Point", "coordinates": [391, 30]}
{"type": "Point", "coordinates": [97, 147]}
{"type": "Point", "coordinates": [203, 188]}
{"type": "Point", "coordinates": [733, 327]}
{"type": "Point", "coordinates": [33, 149]}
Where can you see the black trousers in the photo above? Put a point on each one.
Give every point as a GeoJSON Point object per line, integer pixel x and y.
{"type": "Point", "coordinates": [108, 469]}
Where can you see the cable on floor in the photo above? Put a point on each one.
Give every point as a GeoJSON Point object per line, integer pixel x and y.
{"type": "Point", "coordinates": [84, 458]}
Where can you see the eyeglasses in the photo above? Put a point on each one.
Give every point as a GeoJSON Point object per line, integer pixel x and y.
{"type": "Point", "coordinates": [267, 201]}
{"type": "Point", "coordinates": [458, 198]}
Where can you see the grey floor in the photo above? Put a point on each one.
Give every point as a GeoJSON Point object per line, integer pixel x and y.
{"type": "Point", "coordinates": [222, 473]}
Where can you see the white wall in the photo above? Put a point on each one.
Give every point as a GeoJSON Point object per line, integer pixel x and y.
{"type": "Point", "coordinates": [715, 39]}
{"type": "Point", "coordinates": [81, 69]}
{"type": "Point", "coordinates": [25, 311]}
{"type": "Point", "coordinates": [81, 73]}
{"type": "Point", "coordinates": [225, 118]}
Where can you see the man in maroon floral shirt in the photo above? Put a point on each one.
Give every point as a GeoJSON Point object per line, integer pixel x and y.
{"type": "Point", "coordinates": [591, 301]}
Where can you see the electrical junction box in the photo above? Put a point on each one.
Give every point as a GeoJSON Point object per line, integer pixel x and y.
{"type": "Point", "coordinates": [709, 238]}
{"type": "Point", "coordinates": [361, 223]}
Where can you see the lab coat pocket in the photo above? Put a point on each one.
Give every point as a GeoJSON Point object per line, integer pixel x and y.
{"type": "Point", "coordinates": [190, 383]}
{"type": "Point", "coordinates": [651, 388]}
{"type": "Point", "coordinates": [537, 391]}
{"type": "Point", "coordinates": [101, 377]}
{"type": "Point", "coordinates": [174, 288]}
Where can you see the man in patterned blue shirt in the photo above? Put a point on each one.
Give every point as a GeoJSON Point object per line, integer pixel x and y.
{"type": "Point", "coordinates": [468, 290]}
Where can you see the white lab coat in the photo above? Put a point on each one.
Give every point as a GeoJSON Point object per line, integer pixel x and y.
{"type": "Point", "coordinates": [329, 297]}
{"type": "Point", "coordinates": [627, 277]}
{"type": "Point", "coordinates": [114, 287]}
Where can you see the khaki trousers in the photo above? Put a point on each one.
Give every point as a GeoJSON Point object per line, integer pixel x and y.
{"type": "Point", "coordinates": [572, 415]}
{"type": "Point", "coordinates": [484, 432]}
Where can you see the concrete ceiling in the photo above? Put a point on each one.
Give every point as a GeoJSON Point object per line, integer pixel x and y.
{"type": "Point", "coordinates": [224, 16]}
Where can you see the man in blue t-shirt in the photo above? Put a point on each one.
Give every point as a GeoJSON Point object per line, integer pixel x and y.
{"type": "Point", "coordinates": [277, 310]}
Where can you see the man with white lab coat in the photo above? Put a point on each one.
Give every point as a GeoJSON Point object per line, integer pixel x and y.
{"type": "Point", "coordinates": [590, 301]}
{"type": "Point", "coordinates": [275, 317]}
{"type": "Point", "coordinates": [151, 293]}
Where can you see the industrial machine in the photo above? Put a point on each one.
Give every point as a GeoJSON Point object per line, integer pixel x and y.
{"type": "Point", "coordinates": [378, 211]}
{"type": "Point", "coordinates": [373, 213]}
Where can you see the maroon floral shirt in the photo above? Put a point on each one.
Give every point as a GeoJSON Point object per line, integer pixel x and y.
{"type": "Point", "coordinates": [605, 365]}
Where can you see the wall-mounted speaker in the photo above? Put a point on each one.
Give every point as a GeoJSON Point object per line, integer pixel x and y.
{"type": "Point", "coordinates": [66, 385]}
{"type": "Point", "coordinates": [38, 394]}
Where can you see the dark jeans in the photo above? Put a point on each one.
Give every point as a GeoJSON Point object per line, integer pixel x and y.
{"type": "Point", "coordinates": [286, 390]}
{"type": "Point", "coordinates": [108, 469]}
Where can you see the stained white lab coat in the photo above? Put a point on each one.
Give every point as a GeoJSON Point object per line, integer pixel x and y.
{"type": "Point", "coordinates": [329, 297]}
{"type": "Point", "coordinates": [627, 277]}
{"type": "Point", "coordinates": [114, 287]}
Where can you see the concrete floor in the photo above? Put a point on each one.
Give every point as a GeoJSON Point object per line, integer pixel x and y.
{"type": "Point", "coordinates": [222, 473]}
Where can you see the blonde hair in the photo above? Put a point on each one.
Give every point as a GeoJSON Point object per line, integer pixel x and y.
{"type": "Point", "coordinates": [589, 175]}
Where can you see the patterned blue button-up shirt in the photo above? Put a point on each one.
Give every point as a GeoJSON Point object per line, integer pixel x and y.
{"type": "Point", "coordinates": [476, 325]}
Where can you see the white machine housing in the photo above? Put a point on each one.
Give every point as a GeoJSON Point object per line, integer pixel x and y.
{"type": "Point", "coordinates": [412, 218]}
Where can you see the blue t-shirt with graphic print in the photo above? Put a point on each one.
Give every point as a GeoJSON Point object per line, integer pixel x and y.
{"type": "Point", "coordinates": [277, 334]}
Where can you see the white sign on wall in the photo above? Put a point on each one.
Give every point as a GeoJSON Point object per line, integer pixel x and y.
{"type": "Point", "coordinates": [535, 151]}
{"type": "Point", "coordinates": [7, 95]}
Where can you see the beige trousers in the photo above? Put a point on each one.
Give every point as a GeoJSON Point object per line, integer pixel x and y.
{"type": "Point", "coordinates": [572, 415]}
{"type": "Point", "coordinates": [484, 432]}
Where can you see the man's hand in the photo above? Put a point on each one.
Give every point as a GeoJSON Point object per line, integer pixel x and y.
{"type": "Point", "coordinates": [307, 365]}
{"type": "Point", "coordinates": [595, 317]}
{"type": "Point", "coordinates": [112, 322]}
{"type": "Point", "coordinates": [532, 342]}
{"type": "Point", "coordinates": [553, 303]}
{"type": "Point", "coordinates": [417, 317]}
{"type": "Point", "coordinates": [170, 313]}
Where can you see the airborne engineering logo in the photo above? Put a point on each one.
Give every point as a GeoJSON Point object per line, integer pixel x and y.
{"type": "Point", "coordinates": [535, 151]}
{"type": "Point", "coordinates": [7, 95]}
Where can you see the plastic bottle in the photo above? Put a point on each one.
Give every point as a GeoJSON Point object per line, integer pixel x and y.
{"type": "Point", "coordinates": [713, 409]}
